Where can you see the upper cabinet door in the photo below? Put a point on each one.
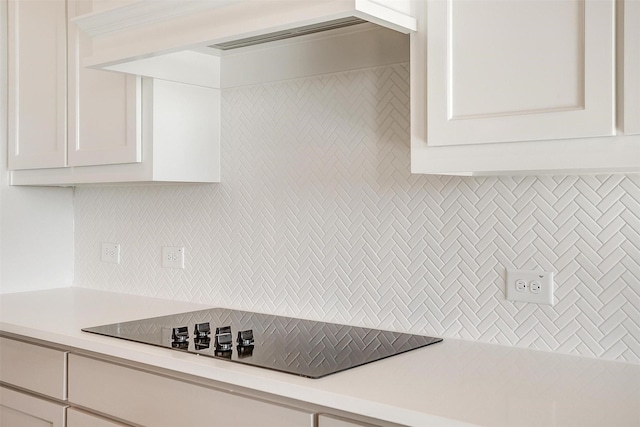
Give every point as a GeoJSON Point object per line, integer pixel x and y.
{"type": "Point", "coordinates": [37, 78]}
{"type": "Point", "coordinates": [104, 107]}
{"type": "Point", "coordinates": [631, 67]}
{"type": "Point", "coordinates": [519, 70]}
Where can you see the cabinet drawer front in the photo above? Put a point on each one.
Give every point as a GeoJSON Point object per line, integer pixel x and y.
{"type": "Point", "coordinates": [148, 399]}
{"type": "Point", "coordinates": [76, 418]}
{"type": "Point", "coordinates": [22, 410]}
{"type": "Point", "coordinates": [39, 369]}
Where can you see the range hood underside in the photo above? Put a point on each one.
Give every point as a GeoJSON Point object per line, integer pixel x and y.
{"type": "Point", "coordinates": [287, 34]}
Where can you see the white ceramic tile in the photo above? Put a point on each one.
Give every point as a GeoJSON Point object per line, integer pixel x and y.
{"type": "Point", "coordinates": [318, 217]}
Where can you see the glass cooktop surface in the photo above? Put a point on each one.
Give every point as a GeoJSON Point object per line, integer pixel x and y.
{"type": "Point", "coordinates": [301, 347]}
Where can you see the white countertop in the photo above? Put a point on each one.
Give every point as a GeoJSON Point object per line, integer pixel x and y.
{"type": "Point", "coordinates": [453, 383]}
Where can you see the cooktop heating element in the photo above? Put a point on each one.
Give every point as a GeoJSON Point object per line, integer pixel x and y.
{"type": "Point", "coordinates": [301, 347]}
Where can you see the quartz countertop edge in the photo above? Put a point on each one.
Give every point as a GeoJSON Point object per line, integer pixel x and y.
{"type": "Point", "coordinates": [453, 383]}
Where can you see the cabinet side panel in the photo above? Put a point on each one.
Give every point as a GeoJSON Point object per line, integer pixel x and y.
{"type": "Point", "coordinates": [186, 132]}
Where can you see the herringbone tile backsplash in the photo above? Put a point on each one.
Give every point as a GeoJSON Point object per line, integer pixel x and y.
{"type": "Point", "coordinates": [318, 217]}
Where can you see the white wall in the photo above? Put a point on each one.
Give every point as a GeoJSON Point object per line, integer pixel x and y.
{"type": "Point", "coordinates": [36, 224]}
{"type": "Point", "coordinates": [318, 216]}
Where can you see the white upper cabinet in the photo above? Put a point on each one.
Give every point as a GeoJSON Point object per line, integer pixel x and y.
{"type": "Point", "coordinates": [74, 125]}
{"type": "Point", "coordinates": [63, 114]}
{"type": "Point", "coordinates": [631, 66]}
{"type": "Point", "coordinates": [104, 115]}
{"type": "Point", "coordinates": [37, 84]}
{"type": "Point", "coordinates": [519, 70]}
{"type": "Point", "coordinates": [497, 87]}
{"type": "Point", "coordinates": [521, 87]}
{"type": "Point", "coordinates": [180, 134]}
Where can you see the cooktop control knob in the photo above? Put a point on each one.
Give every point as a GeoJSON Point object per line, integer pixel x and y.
{"type": "Point", "coordinates": [201, 336]}
{"type": "Point", "coordinates": [226, 354]}
{"type": "Point", "coordinates": [224, 339]}
{"type": "Point", "coordinates": [180, 334]}
{"type": "Point", "coordinates": [246, 351]}
{"type": "Point", "coordinates": [245, 338]}
{"type": "Point", "coordinates": [202, 343]}
{"type": "Point", "coordinates": [202, 330]}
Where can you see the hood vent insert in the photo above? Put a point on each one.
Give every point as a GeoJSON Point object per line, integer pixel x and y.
{"type": "Point", "coordinates": [287, 34]}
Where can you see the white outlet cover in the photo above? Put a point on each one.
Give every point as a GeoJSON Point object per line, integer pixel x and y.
{"type": "Point", "coordinates": [172, 257]}
{"type": "Point", "coordinates": [544, 296]}
{"type": "Point", "coordinates": [110, 252]}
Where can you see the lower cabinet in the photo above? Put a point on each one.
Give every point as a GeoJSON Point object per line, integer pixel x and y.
{"type": "Point", "coordinates": [23, 410]}
{"type": "Point", "coordinates": [150, 399]}
{"type": "Point", "coordinates": [49, 386]}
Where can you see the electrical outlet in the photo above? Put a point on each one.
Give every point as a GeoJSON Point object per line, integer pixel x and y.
{"type": "Point", "coordinates": [530, 286]}
{"type": "Point", "coordinates": [172, 257]}
{"type": "Point", "coordinates": [110, 253]}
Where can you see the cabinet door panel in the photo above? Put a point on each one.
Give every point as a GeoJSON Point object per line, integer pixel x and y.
{"type": "Point", "coordinates": [631, 67]}
{"type": "Point", "coordinates": [502, 71]}
{"type": "Point", "coordinates": [21, 410]}
{"type": "Point", "coordinates": [37, 84]}
{"type": "Point", "coordinates": [76, 418]}
{"type": "Point", "coordinates": [104, 107]}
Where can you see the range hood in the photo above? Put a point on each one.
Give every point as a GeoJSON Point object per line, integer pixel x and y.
{"type": "Point", "coordinates": [151, 37]}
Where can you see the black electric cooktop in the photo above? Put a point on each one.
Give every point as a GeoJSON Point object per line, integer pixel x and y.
{"type": "Point", "coordinates": [301, 347]}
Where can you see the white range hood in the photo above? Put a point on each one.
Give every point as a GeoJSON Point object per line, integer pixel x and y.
{"type": "Point", "coordinates": [185, 40]}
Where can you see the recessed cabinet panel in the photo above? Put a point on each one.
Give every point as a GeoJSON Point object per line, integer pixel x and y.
{"type": "Point", "coordinates": [631, 67]}
{"type": "Point", "coordinates": [487, 37]}
{"type": "Point", "coordinates": [104, 121]}
{"type": "Point", "coordinates": [37, 84]}
{"type": "Point", "coordinates": [519, 70]}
